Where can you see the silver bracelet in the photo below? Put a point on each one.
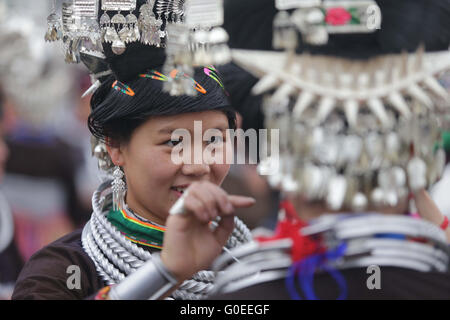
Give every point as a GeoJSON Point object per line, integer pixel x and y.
{"type": "Point", "coordinates": [151, 281]}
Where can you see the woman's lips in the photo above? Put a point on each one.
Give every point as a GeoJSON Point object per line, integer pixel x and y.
{"type": "Point", "coordinates": [177, 193]}
{"type": "Point", "coordinates": [179, 190]}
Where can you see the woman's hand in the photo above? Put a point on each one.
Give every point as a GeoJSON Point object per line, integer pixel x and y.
{"type": "Point", "coordinates": [428, 210]}
{"type": "Point", "coordinates": [189, 243]}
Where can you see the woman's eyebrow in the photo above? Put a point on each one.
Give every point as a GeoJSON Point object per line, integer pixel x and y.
{"type": "Point", "coordinates": [221, 126]}
{"type": "Point", "coordinates": [167, 130]}
{"type": "Point", "coordinates": [170, 130]}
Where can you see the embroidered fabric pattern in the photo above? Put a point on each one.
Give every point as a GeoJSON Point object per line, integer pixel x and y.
{"type": "Point", "coordinates": [103, 294]}
{"type": "Point", "coordinates": [136, 230]}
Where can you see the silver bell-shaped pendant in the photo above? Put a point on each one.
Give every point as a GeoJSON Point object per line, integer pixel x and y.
{"type": "Point", "coordinates": [118, 47]}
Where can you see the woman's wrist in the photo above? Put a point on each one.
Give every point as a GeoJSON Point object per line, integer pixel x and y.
{"type": "Point", "coordinates": [427, 208]}
{"type": "Point", "coordinates": [179, 275]}
{"type": "Point", "coordinates": [151, 281]}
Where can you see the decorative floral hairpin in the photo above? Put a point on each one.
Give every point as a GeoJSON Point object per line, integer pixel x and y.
{"type": "Point", "coordinates": [211, 72]}
{"type": "Point", "coordinates": [119, 86]}
{"type": "Point", "coordinates": [198, 41]}
{"type": "Point", "coordinates": [173, 75]}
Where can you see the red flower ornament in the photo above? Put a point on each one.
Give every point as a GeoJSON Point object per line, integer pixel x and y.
{"type": "Point", "coordinates": [289, 228]}
{"type": "Point", "coordinates": [337, 16]}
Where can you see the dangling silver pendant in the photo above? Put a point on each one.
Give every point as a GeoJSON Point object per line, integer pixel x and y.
{"type": "Point", "coordinates": [149, 26]}
{"type": "Point", "coordinates": [111, 35]}
{"type": "Point", "coordinates": [53, 28]}
{"type": "Point", "coordinates": [137, 33]}
{"type": "Point", "coordinates": [124, 34]}
{"type": "Point", "coordinates": [417, 174]}
{"type": "Point", "coordinates": [118, 47]}
{"type": "Point", "coordinates": [131, 23]}
{"type": "Point", "coordinates": [105, 24]}
{"type": "Point", "coordinates": [118, 188]}
{"type": "Point", "coordinates": [359, 202]}
{"type": "Point", "coordinates": [123, 26]}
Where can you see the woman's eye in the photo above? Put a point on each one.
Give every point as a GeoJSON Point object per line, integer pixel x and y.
{"type": "Point", "coordinates": [172, 143]}
{"type": "Point", "coordinates": [215, 140]}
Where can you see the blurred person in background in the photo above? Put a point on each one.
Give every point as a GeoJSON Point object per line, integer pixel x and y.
{"type": "Point", "coordinates": [358, 120]}
{"type": "Point", "coordinates": [40, 178]}
{"type": "Point", "coordinates": [244, 179]}
{"type": "Point", "coordinates": [441, 190]}
{"type": "Point", "coordinates": [72, 128]}
{"type": "Point", "coordinates": [10, 260]}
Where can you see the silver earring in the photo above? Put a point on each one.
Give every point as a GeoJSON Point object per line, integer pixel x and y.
{"type": "Point", "coordinates": [118, 188]}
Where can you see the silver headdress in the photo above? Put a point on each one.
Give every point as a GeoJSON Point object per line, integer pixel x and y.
{"type": "Point", "coordinates": [357, 134]}
{"type": "Point", "coordinates": [189, 30]}
{"type": "Point", "coordinates": [353, 134]}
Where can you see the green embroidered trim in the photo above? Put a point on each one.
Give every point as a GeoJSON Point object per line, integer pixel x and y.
{"type": "Point", "coordinates": [356, 19]}
{"type": "Point", "coordinates": [144, 233]}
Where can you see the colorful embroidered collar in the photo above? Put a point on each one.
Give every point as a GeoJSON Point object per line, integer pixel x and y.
{"type": "Point", "coordinates": [138, 231]}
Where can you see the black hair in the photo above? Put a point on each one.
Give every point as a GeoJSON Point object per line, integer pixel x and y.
{"type": "Point", "coordinates": [239, 83]}
{"type": "Point", "coordinates": [115, 115]}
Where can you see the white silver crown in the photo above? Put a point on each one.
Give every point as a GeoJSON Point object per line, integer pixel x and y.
{"type": "Point", "coordinates": [354, 134]}
{"type": "Point", "coordinates": [190, 30]}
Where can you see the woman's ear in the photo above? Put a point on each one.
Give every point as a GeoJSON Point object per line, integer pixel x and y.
{"type": "Point", "coordinates": [115, 153]}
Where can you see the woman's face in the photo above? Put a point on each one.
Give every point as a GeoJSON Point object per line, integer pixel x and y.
{"type": "Point", "coordinates": [153, 180]}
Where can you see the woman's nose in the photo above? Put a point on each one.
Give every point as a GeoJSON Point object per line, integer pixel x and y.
{"type": "Point", "coordinates": [196, 169]}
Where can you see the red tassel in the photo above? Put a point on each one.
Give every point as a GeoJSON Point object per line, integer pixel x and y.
{"type": "Point", "coordinates": [290, 227]}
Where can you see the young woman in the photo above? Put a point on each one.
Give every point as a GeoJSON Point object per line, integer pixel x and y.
{"type": "Point", "coordinates": [134, 118]}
